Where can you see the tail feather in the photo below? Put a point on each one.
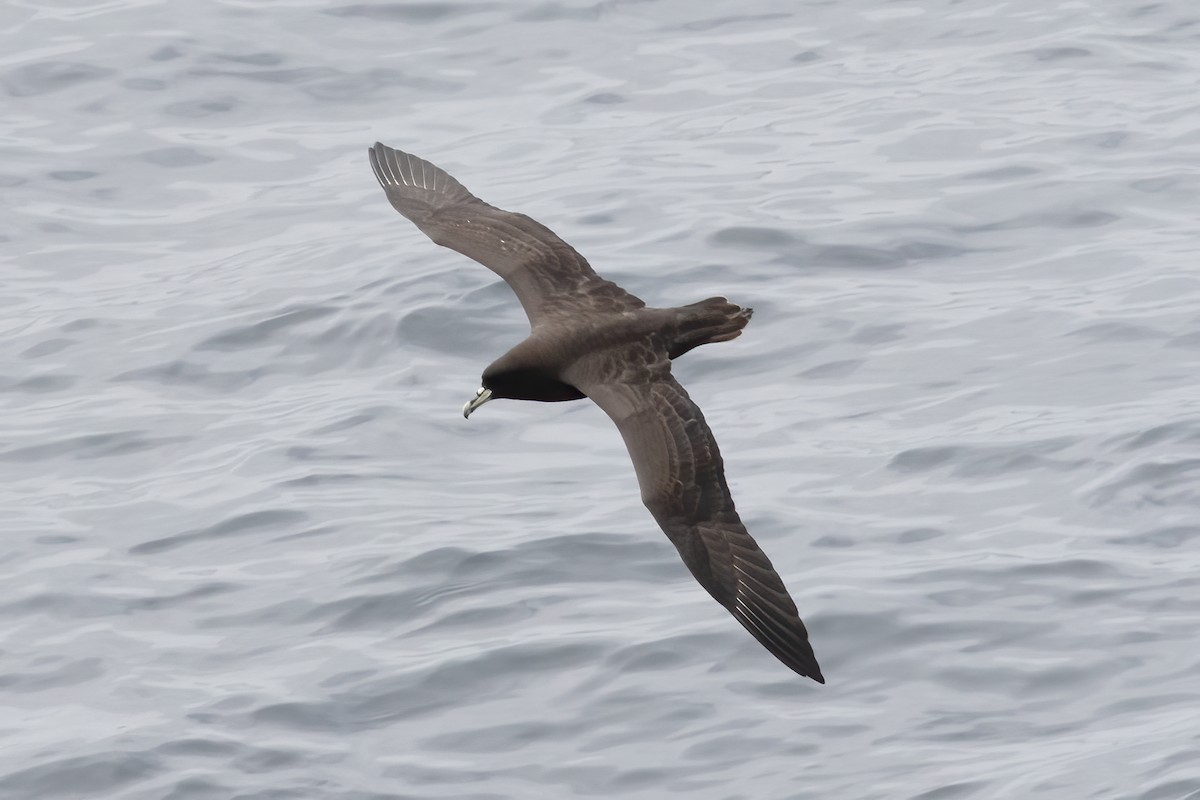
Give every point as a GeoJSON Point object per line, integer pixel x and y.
{"type": "Point", "coordinates": [708, 321]}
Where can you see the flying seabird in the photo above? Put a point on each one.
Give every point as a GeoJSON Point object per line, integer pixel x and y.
{"type": "Point", "coordinates": [591, 338]}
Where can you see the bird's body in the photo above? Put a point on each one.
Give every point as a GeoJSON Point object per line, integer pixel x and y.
{"type": "Point", "coordinates": [590, 338]}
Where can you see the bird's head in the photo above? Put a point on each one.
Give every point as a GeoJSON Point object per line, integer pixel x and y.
{"type": "Point", "coordinates": [522, 382]}
{"type": "Point", "coordinates": [497, 382]}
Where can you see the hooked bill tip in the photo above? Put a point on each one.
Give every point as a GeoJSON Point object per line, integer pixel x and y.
{"type": "Point", "coordinates": [482, 395]}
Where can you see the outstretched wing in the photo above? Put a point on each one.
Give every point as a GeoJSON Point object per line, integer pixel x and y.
{"type": "Point", "coordinates": [682, 478]}
{"type": "Point", "coordinates": [548, 276]}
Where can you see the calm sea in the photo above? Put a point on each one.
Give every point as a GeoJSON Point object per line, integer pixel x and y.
{"type": "Point", "coordinates": [252, 550]}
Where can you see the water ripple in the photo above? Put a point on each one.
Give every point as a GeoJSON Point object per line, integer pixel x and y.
{"type": "Point", "coordinates": [253, 550]}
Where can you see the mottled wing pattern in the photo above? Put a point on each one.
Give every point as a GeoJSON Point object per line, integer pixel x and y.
{"type": "Point", "coordinates": [549, 277]}
{"type": "Point", "coordinates": [682, 480]}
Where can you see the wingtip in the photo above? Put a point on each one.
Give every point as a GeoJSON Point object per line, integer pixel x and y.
{"type": "Point", "coordinates": [414, 185]}
{"type": "Point", "coordinates": [808, 668]}
{"type": "Point", "coordinates": [378, 153]}
{"type": "Point", "coordinates": [812, 668]}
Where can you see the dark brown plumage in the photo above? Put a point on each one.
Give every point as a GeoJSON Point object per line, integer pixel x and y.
{"type": "Point", "coordinates": [590, 338]}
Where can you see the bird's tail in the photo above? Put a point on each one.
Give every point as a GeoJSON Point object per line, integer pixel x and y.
{"type": "Point", "coordinates": [712, 320]}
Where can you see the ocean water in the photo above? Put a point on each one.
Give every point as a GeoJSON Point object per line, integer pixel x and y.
{"type": "Point", "coordinates": [252, 550]}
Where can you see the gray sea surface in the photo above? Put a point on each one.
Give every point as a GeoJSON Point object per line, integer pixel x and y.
{"type": "Point", "coordinates": [252, 550]}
